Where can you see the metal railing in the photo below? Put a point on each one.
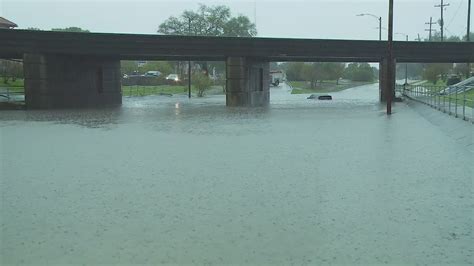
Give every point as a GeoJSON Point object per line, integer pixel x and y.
{"type": "Point", "coordinates": [455, 103]}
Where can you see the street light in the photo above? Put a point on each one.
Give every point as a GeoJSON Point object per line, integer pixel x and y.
{"type": "Point", "coordinates": [406, 65]}
{"type": "Point", "coordinates": [378, 18]}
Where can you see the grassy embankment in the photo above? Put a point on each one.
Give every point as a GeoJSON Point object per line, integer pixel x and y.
{"type": "Point", "coordinates": [165, 90]}
{"type": "Point", "coordinates": [303, 87]}
{"type": "Point", "coordinates": [440, 85]}
{"type": "Point", "coordinates": [13, 86]}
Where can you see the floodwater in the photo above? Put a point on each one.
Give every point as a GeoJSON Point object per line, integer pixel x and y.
{"type": "Point", "coordinates": [168, 180]}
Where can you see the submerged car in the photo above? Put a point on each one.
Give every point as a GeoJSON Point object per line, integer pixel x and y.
{"type": "Point", "coordinates": [319, 97]}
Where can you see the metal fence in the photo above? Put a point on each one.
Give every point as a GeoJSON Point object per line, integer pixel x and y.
{"type": "Point", "coordinates": [457, 103]}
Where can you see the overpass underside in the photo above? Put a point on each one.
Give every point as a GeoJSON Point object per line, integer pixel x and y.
{"type": "Point", "coordinates": [71, 70]}
{"type": "Point", "coordinates": [65, 81]}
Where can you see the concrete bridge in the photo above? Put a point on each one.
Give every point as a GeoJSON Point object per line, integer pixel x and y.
{"type": "Point", "coordinates": [64, 69]}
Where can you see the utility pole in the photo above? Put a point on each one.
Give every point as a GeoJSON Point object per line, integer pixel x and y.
{"type": "Point", "coordinates": [406, 70]}
{"type": "Point", "coordinates": [468, 21]}
{"type": "Point", "coordinates": [441, 22]}
{"type": "Point", "coordinates": [431, 27]}
{"type": "Point", "coordinates": [390, 68]}
{"type": "Point", "coordinates": [189, 64]}
{"type": "Point", "coordinates": [468, 38]}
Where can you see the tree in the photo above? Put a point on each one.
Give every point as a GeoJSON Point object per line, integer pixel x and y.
{"type": "Point", "coordinates": [312, 73]}
{"type": "Point", "coordinates": [433, 72]}
{"type": "Point", "coordinates": [71, 29]}
{"type": "Point", "coordinates": [471, 37]}
{"type": "Point", "coordinates": [10, 70]}
{"type": "Point", "coordinates": [293, 70]}
{"type": "Point", "coordinates": [201, 82]}
{"type": "Point", "coordinates": [332, 71]}
{"type": "Point", "coordinates": [359, 72]}
{"type": "Point", "coordinates": [209, 21]}
{"type": "Point", "coordinates": [436, 37]}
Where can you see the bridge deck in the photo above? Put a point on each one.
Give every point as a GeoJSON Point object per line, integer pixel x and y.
{"type": "Point", "coordinates": [15, 43]}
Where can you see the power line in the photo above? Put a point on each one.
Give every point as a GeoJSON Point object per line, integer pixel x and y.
{"type": "Point", "coordinates": [455, 14]}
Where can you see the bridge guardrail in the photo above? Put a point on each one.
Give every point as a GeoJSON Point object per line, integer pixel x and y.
{"type": "Point", "coordinates": [457, 104]}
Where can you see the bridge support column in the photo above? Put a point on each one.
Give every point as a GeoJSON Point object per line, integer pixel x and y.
{"type": "Point", "coordinates": [383, 80]}
{"type": "Point", "coordinates": [60, 81]}
{"type": "Point", "coordinates": [248, 82]}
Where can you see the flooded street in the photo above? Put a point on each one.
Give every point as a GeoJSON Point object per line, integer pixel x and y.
{"type": "Point", "coordinates": [178, 181]}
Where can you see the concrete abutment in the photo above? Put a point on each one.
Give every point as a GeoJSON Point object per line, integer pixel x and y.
{"type": "Point", "coordinates": [248, 83]}
{"type": "Point", "coordinates": [61, 81]}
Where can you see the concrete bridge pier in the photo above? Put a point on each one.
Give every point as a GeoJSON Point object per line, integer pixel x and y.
{"type": "Point", "coordinates": [383, 79]}
{"type": "Point", "coordinates": [248, 83]}
{"type": "Point", "coordinates": [63, 81]}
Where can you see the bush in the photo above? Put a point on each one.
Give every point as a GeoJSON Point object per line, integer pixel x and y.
{"type": "Point", "coordinates": [201, 82]}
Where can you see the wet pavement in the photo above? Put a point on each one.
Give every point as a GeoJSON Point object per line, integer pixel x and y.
{"type": "Point", "coordinates": [168, 180]}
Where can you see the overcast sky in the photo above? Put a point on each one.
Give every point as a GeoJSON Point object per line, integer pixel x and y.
{"type": "Point", "coordinates": [298, 19]}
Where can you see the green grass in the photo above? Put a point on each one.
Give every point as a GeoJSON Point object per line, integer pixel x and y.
{"type": "Point", "coordinates": [154, 90]}
{"type": "Point", "coordinates": [303, 87]}
{"type": "Point", "coordinates": [440, 83]}
{"type": "Point", "coordinates": [460, 97]}
{"type": "Point", "coordinates": [165, 89]}
{"type": "Point", "coordinates": [16, 86]}
{"type": "Point", "coordinates": [452, 97]}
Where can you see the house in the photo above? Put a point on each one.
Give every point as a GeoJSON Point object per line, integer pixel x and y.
{"type": "Point", "coordinates": [7, 24]}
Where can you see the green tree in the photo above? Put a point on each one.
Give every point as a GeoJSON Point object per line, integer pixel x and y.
{"type": "Point", "coordinates": [11, 70]}
{"type": "Point", "coordinates": [436, 37]}
{"type": "Point", "coordinates": [293, 70]}
{"type": "Point", "coordinates": [71, 29]}
{"type": "Point", "coordinates": [332, 71]}
{"type": "Point", "coordinates": [359, 72]}
{"type": "Point", "coordinates": [313, 73]}
{"type": "Point", "coordinates": [433, 72]}
{"type": "Point", "coordinates": [209, 21]}
{"type": "Point", "coordinates": [201, 82]}
{"type": "Point", "coordinates": [471, 37]}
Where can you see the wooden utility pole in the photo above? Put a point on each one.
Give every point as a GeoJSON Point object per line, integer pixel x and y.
{"type": "Point", "coordinates": [391, 64]}
{"type": "Point", "coordinates": [468, 37]}
{"type": "Point", "coordinates": [189, 63]}
{"type": "Point", "coordinates": [441, 22]}
{"type": "Point", "coordinates": [431, 27]}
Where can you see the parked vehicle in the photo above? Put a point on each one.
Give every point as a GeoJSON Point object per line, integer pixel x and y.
{"type": "Point", "coordinates": [277, 77]}
{"type": "Point", "coordinates": [173, 77]}
{"type": "Point", "coordinates": [152, 74]}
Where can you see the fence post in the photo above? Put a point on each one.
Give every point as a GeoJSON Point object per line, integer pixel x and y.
{"type": "Point", "coordinates": [464, 103]}
{"type": "Point", "coordinates": [456, 104]}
